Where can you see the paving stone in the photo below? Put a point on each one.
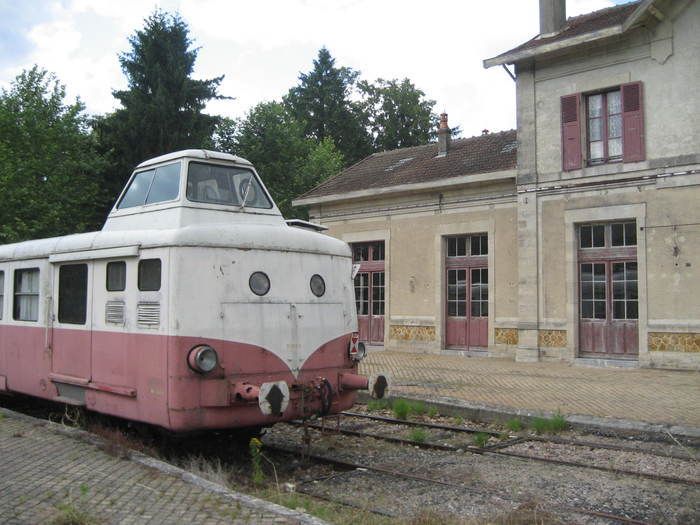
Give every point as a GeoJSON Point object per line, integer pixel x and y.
{"type": "Point", "coordinates": [45, 469]}
{"type": "Point", "coordinates": [652, 396]}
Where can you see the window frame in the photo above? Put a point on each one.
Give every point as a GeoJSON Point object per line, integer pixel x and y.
{"type": "Point", "coordinates": [62, 316]}
{"type": "Point", "coordinates": [236, 206]}
{"type": "Point", "coordinates": [145, 202]}
{"type": "Point", "coordinates": [15, 294]}
{"type": "Point", "coordinates": [107, 267]}
{"type": "Point", "coordinates": [605, 136]}
{"type": "Point", "coordinates": [467, 242]}
{"type": "Point", "coordinates": [607, 234]}
{"type": "Point", "coordinates": [140, 276]}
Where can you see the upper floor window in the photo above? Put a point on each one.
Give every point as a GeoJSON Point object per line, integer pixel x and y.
{"type": "Point", "coordinates": [368, 251]}
{"type": "Point", "coordinates": [2, 293]}
{"type": "Point", "coordinates": [608, 235]}
{"type": "Point", "coordinates": [613, 126]}
{"type": "Point", "coordinates": [604, 127]}
{"type": "Point", "coordinates": [151, 186]}
{"type": "Point", "coordinates": [26, 303]}
{"type": "Point", "coordinates": [227, 185]}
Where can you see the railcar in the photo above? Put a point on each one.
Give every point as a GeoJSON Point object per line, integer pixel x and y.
{"type": "Point", "coordinates": [195, 307]}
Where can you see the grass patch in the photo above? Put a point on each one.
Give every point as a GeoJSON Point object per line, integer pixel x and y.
{"type": "Point", "coordinates": [373, 405]}
{"type": "Point", "coordinates": [401, 408]}
{"type": "Point", "coordinates": [73, 511]}
{"type": "Point", "coordinates": [526, 514]}
{"type": "Point", "coordinates": [433, 412]}
{"type": "Point", "coordinates": [552, 425]}
{"type": "Point", "coordinates": [458, 421]}
{"type": "Point", "coordinates": [480, 439]}
{"type": "Point", "coordinates": [419, 435]}
{"type": "Point", "coordinates": [514, 425]}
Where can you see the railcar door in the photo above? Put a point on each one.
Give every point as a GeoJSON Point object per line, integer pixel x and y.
{"type": "Point", "coordinates": [71, 331]}
{"type": "Point", "coordinates": [370, 290]}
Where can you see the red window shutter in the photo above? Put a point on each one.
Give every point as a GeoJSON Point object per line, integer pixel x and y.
{"type": "Point", "coordinates": [571, 132]}
{"type": "Point", "coordinates": [632, 122]}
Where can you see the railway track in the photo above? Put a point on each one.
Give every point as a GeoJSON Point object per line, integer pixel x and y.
{"type": "Point", "coordinates": [349, 465]}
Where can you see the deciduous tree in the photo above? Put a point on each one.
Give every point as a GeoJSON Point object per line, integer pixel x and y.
{"type": "Point", "coordinates": [49, 165]}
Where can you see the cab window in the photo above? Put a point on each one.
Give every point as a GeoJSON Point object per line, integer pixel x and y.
{"type": "Point", "coordinates": [152, 186]}
{"type": "Point", "coordinates": [226, 185]}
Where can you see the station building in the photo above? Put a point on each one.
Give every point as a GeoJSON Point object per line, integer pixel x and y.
{"type": "Point", "coordinates": [575, 237]}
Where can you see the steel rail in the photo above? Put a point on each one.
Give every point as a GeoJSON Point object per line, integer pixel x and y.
{"type": "Point", "coordinates": [420, 424]}
{"type": "Point", "coordinates": [355, 466]}
{"type": "Point", "coordinates": [497, 451]}
{"type": "Point", "coordinates": [553, 439]}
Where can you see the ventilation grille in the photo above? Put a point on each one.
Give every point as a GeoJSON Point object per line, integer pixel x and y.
{"type": "Point", "coordinates": [148, 314]}
{"type": "Point", "coordinates": [114, 312]}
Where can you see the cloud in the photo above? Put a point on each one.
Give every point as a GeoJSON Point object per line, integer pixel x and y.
{"type": "Point", "coordinates": [262, 46]}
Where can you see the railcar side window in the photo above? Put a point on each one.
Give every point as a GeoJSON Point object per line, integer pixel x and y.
{"type": "Point", "coordinates": [116, 276]}
{"type": "Point", "coordinates": [225, 185]}
{"type": "Point", "coordinates": [149, 275]}
{"type": "Point", "coordinates": [152, 186]}
{"type": "Point", "coordinates": [72, 293]}
{"type": "Point", "coordinates": [26, 303]}
{"type": "Point", "coordinates": [2, 293]}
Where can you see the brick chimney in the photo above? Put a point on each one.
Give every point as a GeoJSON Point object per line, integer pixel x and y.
{"type": "Point", "coordinates": [444, 136]}
{"type": "Point", "coordinates": [552, 16]}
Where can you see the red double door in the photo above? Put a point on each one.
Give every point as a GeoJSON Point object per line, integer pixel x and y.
{"type": "Point", "coordinates": [608, 290]}
{"type": "Point", "coordinates": [370, 290]}
{"type": "Point", "coordinates": [466, 324]}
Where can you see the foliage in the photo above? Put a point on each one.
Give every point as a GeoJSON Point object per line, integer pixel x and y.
{"type": "Point", "coordinates": [374, 405]}
{"type": "Point", "coordinates": [49, 163]}
{"type": "Point", "coordinates": [322, 101]}
{"type": "Point", "coordinates": [433, 412]}
{"type": "Point", "coordinates": [514, 425]}
{"type": "Point", "coordinates": [162, 109]}
{"type": "Point", "coordinates": [480, 439]}
{"type": "Point", "coordinates": [258, 476]}
{"type": "Point", "coordinates": [419, 435]}
{"type": "Point", "coordinates": [556, 423]}
{"type": "Point", "coordinates": [398, 114]}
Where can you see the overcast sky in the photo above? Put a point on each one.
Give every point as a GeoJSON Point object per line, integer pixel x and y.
{"type": "Point", "coordinates": [261, 46]}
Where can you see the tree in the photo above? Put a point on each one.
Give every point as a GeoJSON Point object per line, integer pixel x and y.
{"type": "Point", "coordinates": [322, 102]}
{"type": "Point", "coordinates": [49, 163]}
{"type": "Point", "coordinates": [162, 109]}
{"type": "Point", "coordinates": [398, 114]}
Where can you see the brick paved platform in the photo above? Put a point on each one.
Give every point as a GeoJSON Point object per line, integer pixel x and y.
{"type": "Point", "coordinates": [44, 469]}
{"type": "Point", "coordinates": [653, 396]}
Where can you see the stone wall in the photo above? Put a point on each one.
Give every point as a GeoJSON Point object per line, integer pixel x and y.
{"type": "Point", "coordinates": [674, 342]}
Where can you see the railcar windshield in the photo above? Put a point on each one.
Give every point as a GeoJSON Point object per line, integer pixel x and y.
{"type": "Point", "coordinates": [152, 186]}
{"type": "Point", "coordinates": [227, 185]}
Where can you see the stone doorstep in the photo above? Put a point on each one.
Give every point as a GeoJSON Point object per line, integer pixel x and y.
{"type": "Point", "coordinates": [606, 426]}
{"type": "Point", "coordinates": [166, 468]}
{"type": "Point", "coordinates": [597, 362]}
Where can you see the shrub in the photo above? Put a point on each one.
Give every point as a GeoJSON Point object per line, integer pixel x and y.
{"type": "Point", "coordinates": [419, 435]}
{"type": "Point", "coordinates": [480, 439]}
{"type": "Point", "coordinates": [514, 425]}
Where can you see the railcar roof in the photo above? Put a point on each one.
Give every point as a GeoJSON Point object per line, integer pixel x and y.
{"type": "Point", "coordinates": [242, 236]}
{"type": "Point", "coordinates": [196, 154]}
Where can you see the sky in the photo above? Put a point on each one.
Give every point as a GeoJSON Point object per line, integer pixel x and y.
{"type": "Point", "coordinates": [261, 46]}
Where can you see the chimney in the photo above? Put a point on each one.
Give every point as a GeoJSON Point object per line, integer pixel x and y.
{"type": "Point", "coordinates": [444, 136]}
{"type": "Point", "coordinates": [552, 16]}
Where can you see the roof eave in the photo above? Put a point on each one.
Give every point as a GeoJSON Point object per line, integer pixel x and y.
{"type": "Point", "coordinates": [490, 176]}
{"type": "Point", "coordinates": [553, 47]}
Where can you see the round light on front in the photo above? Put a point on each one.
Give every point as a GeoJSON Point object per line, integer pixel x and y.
{"type": "Point", "coordinates": [318, 285]}
{"type": "Point", "coordinates": [259, 283]}
{"type": "Point", "coordinates": [203, 359]}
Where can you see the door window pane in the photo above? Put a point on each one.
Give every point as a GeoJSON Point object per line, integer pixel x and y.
{"type": "Point", "coordinates": [480, 292]}
{"type": "Point", "coordinates": [116, 276]}
{"type": "Point", "coordinates": [592, 289]}
{"type": "Point", "coordinates": [362, 293]}
{"type": "Point", "coordinates": [598, 235]}
{"type": "Point", "coordinates": [72, 293]}
{"type": "Point", "coordinates": [378, 293]}
{"type": "Point", "coordinates": [149, 275]}
{"type": "Point", "coordinates": [456, 292]}
{"type": "Point", "coordinates": [26, 302]}
{"type": "Point", "coordinates": [360, 252]}
{"type": "Point", "coordinates": [479, 244]}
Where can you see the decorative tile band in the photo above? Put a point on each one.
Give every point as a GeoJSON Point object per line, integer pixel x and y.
{"type": "Point", "coordinates": [506, 336]}
{"type": "Point", "coordinates": [674, 342]}
{"type": "Point", "coordinates": [551, 338]}
{"type": "Point", "coordinates": [412, 333]}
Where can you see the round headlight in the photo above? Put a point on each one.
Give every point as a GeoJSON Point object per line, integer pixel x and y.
{"type": "Point", "coordinates": [318, 285]}
{"type": "Point", "coordinates": [259, 283]}
{"type": "Point", "coordinates": [203, 358]}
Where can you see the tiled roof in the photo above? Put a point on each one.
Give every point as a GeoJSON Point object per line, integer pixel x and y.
{"type": "Point", "coordinates": [485, 153]}
{"type": "Point", "coordinates": [582, 24]}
